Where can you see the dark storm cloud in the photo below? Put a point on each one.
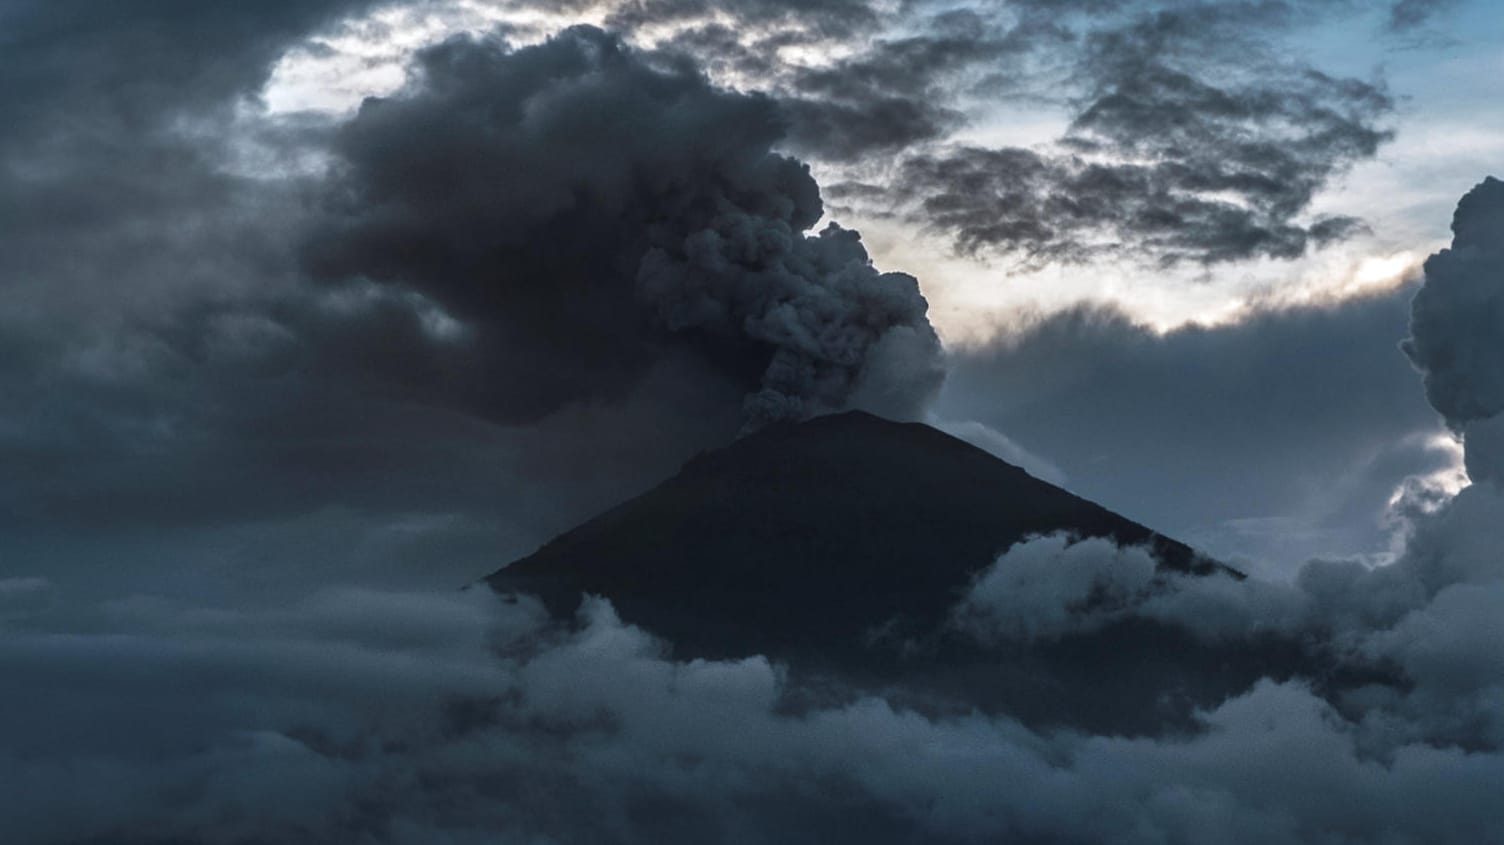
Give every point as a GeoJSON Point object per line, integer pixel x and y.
{"type": "Point", "coordinates": [1294, 425]}
{"type": "Point", "coordinates": [1457, 320]}
{"type": "Point", "coordinates": [1457, 328]}
{"type": "Point", "coordinates": [112, 123]}
{"type": "Point", "coordinates": [124, 212]}
{"type": "Point", "coordinates": [144, 431]}
{"type": "Point", "coordinates": [849, 128]}
{"type": "Point", "coordinates": [900, 92]}
{"type": "Point", "coordinates": [891, 84]}
{"type": "Point", "coordinates": [78, 65]}
{"type": "Point", "coordinates": [278, 445]}
{"type": "Point", "coordinates": [583, 210]}
{"type": "Point", "coordinates": [1408, 14]}
{"type": "Point", "coordinates": [1188, 142]}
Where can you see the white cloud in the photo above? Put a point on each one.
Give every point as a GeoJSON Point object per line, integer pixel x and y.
{"type": "Point", "coordinates": [1048, 587]}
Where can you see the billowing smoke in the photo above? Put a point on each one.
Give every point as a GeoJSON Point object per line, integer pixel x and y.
{"type": "Point", "coordinates": [1457, 328]}
{"type": "Point", "coordinates": [582, 210]}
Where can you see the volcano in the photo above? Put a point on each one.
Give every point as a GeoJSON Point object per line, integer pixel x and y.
{"type": "Point", "coordinates": [840, 545]}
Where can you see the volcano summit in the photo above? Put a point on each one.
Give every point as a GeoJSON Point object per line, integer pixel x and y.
{"type": "Point", "coordinates": [844, 545]}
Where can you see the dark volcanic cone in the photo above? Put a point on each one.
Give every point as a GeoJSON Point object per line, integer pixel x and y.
{"type": "Point", "coordinates": [841, 544]}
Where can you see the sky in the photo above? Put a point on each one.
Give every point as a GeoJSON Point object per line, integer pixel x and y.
{"type": "Point", "coordinates": [317, 310]}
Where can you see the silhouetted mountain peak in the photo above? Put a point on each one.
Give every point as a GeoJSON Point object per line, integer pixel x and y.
{"type": "Point", "coordinates": [811, 534]}
{"type": "Point", "coordinates": [841, 546]}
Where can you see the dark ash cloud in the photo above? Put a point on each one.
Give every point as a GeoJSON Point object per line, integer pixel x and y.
{"type": "Point", "coordinates": [900, 92]}
{"type": "Point", "coordinates": [582, 210]}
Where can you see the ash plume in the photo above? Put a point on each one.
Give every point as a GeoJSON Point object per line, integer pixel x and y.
{"type": "Point", "coordinates": [582, 210]}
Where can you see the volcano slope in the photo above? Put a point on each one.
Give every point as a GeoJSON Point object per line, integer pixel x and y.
{"type": "Point", "coordinates": [840, 546]}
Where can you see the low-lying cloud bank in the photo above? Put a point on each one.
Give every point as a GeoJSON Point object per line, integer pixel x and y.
{"type": "Point", "coordinates": [362, 716]}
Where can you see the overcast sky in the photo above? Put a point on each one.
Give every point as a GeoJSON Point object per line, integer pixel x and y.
{"type": "Point", "coordinates": [316, 304]}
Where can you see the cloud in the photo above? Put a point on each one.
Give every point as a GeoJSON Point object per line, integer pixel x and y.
{"type": "Point", "coordinates": [1303, 416]}
{"type": "Point", "coordinates": [1190, 136]}
{"type": "Point", "coordinates": [1426, 621]}
{"type": "Point", "coordinates": [890, 80]}
{"type": "Point", "coordinates": [1457, 328]}
{"type": "Point", "coordinates": [1408, 14]}
{"type": "Point", "coordinates": [157, 395]}
{"type": "Point", "coordinates": [133, 57]}
{"type": "Point", "coordinates": [113, 131]}
{"type": "Point", "coordinates": [642, 211]}
{"type": "Point", "coordinates": [270, 454]}
{"type": "Point", "coordinates": [1048, 587]}
{"type": "Point", "coordinates": [1430, 615]}
{"type": "Point", "coordinates": [1189, 140]}
{"type": "Point", "coordinates": [826, 18]}
{"type": "Point", "coordinates": [1452, 562]}
{"type": "Point", "coordinates": [899, 92]}
{"type": "Point", "coordinates": [419, 717]}
{"type": "Point", "coordinates": [1402, 649]}
{"type": "Point", "coordinates": [186, 405]}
